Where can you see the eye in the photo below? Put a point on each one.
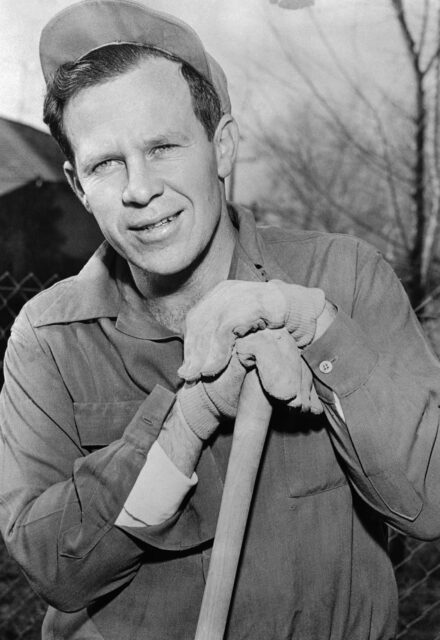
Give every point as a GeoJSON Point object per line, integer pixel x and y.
{"type": "Point", "coordinates": [162, 149]}
{"type": "Point", "coordinates": [104, 164]}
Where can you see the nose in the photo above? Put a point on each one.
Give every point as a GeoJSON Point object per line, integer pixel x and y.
{"type": "Point", "coordinates": [143, 183]}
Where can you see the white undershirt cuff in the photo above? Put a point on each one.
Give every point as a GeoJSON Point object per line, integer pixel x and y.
{"type": "Point", "coordinates": [157, 493]}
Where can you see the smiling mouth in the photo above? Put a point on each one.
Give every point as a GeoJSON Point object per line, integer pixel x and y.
{"type": "Point", "coordinates": [157, 225]}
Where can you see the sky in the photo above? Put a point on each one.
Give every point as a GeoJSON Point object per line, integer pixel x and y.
{"type": "Point", "coordinates": [240, 34]}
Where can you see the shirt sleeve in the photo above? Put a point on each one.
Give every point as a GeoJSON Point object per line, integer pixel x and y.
{"type": "Point", "coordinates": [376, 360]}
{"type": "Point", "coordinates": [158, 492]}
{"type": "Point", "coordinates": [59, 502]}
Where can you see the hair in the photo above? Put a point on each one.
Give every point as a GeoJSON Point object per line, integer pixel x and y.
{"type": "Point", "coordinates": [109, 62]}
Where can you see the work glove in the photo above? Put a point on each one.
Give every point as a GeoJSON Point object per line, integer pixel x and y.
{"type": "Point", "coordinates": [282, 372]}
{"type": "Point", "coordinates": [235, 308]}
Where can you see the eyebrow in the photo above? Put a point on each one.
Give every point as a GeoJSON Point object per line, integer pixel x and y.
{"type": "Point", "coordinates": [164, 137]}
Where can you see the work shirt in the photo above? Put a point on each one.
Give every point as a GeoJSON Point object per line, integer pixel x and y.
{"type": "Point", "coordinates": [89, 379]}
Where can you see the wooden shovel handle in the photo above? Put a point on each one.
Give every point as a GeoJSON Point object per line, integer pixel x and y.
{"type": "Point", "coordinates": [251, 424]}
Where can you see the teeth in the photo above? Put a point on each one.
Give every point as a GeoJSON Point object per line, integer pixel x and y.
{"type": "Point", "coordinates": [159, 224]}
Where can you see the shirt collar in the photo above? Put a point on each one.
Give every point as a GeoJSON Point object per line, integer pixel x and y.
{"type": "Point", "coordinates": [104, 289]}
{"type": "Point", "coordinates": [252, 259]}
{"type": "Point", "coordinates": [93, 293]}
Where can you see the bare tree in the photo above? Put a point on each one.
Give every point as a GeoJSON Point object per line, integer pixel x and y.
{"type": "Point", "coordinates": [374, 169]}
{"type": "Point", "coordinates": [426, 180]}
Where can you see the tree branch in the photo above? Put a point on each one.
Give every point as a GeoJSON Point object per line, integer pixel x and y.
{"type": "Point", "coordinates": [424, 26]}
{"type": "Point", "coordinates": [431, 61]}
{"type": "Point", "coordinates": [407, 36]}
{"type": "Point", "coordinates": [369, 155]}
{"type": "Point", "coordinates": [432, 216]}
{"type": "Point", "coordinates": [380, 128]}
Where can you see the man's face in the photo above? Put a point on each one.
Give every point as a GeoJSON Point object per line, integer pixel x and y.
{"type": "Point", "coordinates": [144, 163]}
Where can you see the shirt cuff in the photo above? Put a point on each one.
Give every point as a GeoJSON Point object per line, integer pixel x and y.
{"type": "Point", "coordinates": [342, 359]}
{"type": "Point", "coordinates": [157, 493]}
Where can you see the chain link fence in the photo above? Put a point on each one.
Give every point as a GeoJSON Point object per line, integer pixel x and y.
{"type": "Point", "coordinates": [417, 569]}
{"type": "Point", "coordinates": [417, 564]}
{"type": "Point", "coordinates": [13, 294]}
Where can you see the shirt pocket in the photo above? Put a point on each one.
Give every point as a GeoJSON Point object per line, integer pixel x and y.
{"type": "Point", "coordinates": [101, 423]}
{"type": "Point", "coordinates": [310, 459]}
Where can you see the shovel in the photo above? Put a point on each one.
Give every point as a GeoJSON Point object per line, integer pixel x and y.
{"type": "Point", "coordinates": [251, 424]}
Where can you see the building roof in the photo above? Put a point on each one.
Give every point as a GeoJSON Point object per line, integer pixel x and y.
{"type": "Point", "coordinates": [27, 155]}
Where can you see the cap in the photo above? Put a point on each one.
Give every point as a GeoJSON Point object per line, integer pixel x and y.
{"type": "Point", "coordinates": [92, 24]}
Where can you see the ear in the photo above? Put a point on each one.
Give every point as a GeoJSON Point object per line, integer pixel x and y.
{"type": "Point", "coordinates": [72, 179]}
{"type": "Point", "coordinates": [226, 140]}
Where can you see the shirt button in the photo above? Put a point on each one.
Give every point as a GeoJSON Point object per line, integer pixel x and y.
{"type": "Point", "coordinates": [325, 366]}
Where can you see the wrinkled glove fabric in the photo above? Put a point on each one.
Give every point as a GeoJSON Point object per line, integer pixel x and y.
{"type": "Point", "coordinates": [236, 308]}
{"type": "Point", "coordinates": [282, 373]}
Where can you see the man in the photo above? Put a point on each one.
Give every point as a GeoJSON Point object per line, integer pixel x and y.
{"type": "Point", "coordinates": [114, 447]}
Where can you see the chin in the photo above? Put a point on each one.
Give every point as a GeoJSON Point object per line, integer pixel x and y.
{"type": "Point", "coordinates": [165, 268]}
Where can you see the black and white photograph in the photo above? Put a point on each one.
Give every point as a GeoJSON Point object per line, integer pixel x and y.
{"type": "Point", "coordinates": [220, 320]}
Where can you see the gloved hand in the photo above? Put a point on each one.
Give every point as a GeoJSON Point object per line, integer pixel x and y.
{"type": "Point", "coordinates": [282, 372]}
{"type": "Point", "coordinates": [235, 308]}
